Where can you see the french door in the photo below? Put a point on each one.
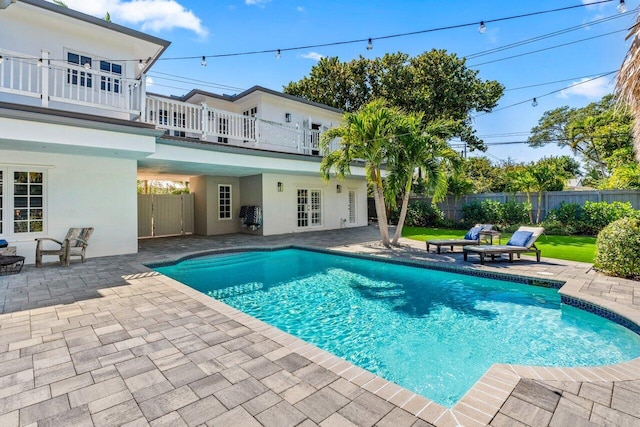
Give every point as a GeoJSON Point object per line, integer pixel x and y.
{"type": "Point", "coordinates": [309, 208]}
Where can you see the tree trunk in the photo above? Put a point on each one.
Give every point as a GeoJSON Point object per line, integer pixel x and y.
{"type": "Point", "coordinates": [530, 210]}
{"type": "Point", "coordinates": [403, 212]}
{"type": "Point", "coordinates": [539, 207]}
{"type": "Point", "coordinates": [381, 211]}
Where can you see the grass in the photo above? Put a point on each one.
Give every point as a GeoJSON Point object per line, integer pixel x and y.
{"type": "Point", "coordinates": [570, 248]}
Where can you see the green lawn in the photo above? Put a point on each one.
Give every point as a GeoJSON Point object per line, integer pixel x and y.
{"type": "Point", "coordinates": [571, 248]}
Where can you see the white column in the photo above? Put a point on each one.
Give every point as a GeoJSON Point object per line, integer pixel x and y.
{"type": "Point", "coordinates": [142, 93]}
{"type": "Point", "coordinates": [205, 121]}
{"type": "Point", "coordinates": [44, 78]}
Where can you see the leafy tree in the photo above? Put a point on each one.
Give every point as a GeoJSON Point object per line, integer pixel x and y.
{"type": "Point", "coordinates": [435, 83]}
{"type": "Point", "coordinates": [486, 177]}
{"type": "Point", "coordinates": [599, 133]}
{"type": "Point", "coordinates": [521, 179]}
{"type": "Point", "coordinates": [548, 175]}
{"type": "Point", "coordinates": [363, 135]}
{"type": "Point", "coordinates": [424, 148]}
{"type": "Point", "coordinates": [457, 186]}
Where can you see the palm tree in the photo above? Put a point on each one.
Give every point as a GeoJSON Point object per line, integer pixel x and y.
{"type": "Point", "coordinates": [364, 135]}
{"type": "Point", "coordinates": [628, 82]}
{"type": "Point", "coordinates": [423, 148]}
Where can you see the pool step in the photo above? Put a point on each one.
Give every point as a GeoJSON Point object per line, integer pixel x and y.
{"type": "Point", "coordinates": [235, 290]}
{"type": "Point", "coordinates": [196, 264]}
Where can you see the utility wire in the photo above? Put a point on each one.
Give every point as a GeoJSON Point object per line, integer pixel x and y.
{"type": "Point", "coordinates": [550, 47]}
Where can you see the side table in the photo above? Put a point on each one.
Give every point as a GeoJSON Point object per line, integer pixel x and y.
{"type": "Point", "coordinates": [489, 235]}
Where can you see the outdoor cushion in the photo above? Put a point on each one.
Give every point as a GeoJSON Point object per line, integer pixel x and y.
{"type": "Point", "coordinates": [473, 233]}
{"type": "Point", "coordinates": [520, 238]}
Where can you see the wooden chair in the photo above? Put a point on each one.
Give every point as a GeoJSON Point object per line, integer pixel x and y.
{"type": "Point", "coordinates": [74, 244]}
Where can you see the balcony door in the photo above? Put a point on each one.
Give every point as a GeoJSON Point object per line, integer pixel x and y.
{"type": "Point", "coordinates": [309, 208]}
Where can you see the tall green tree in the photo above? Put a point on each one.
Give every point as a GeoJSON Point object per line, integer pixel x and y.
{"type": "Point", "coordinates": [548, 175]}
{"type": "Point", "coordinates": [364, 135]}
{"type": "Point", "coordinates": [424, 148]}
{"type": "Point", "coordinates": [435, 83]}
{"type": "Point", "coordinates": [600, 134]}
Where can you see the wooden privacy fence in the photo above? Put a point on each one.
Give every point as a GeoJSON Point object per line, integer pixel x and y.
{"type": "Point", "coordinates": [165, 214]}
{"type": "Point", "coordinates": [452, 206]}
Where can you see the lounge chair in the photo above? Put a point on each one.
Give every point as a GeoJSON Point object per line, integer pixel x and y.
{"type": "Point", "coordinates": [471, 238]}
{"type": "Point", "coordinates": [522, 241]}
{"type": "Point", "coordinates": [74, 244]}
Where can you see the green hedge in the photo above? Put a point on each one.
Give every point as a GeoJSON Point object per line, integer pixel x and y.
{"type": "Point", "coordinates": [504, 215]}
{"type": "Point", "coordinates": [587, 219]}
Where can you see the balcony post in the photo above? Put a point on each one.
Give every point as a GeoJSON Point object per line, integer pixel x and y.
{"type": "Point", "coordinates": [44, 78]}
{"type": "Point", "coordinates": [142, 93]}
{"type": "Point", "coordinates": [256, 131]}
{"type": "Point", "coordinates": [205, 121]}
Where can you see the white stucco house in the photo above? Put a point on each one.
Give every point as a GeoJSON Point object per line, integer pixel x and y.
{"type": "Point", "coordinates": [78, 129]}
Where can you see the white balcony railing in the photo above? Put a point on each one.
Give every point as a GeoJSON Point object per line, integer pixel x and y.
{"type": "Point", "coordinates": [60, 82]}
{"type": "Point", "coordinates": [209, 124]}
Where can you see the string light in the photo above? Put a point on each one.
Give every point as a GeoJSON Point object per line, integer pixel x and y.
{"type": "Point", "coordinates": [39, 63]}
{"type": "Point", "coordinates": [483, 28]}
{"type": "Point", "coordinates": [534, 103]}
{"type": "Point", "coordinates": [1, 59]}
{"type": "Point", "coordinates": [369, 45]}
{"type": "Point", "coordinates": [140, 65]}
{"type": "Point", "coordinates": [622, 8]}
{"type": "Point", "coordinates": [204, 61]}
{"type": "Point", "coordinates": [278, 54]}
{"type": "Point", "coordinates": [87, 65]}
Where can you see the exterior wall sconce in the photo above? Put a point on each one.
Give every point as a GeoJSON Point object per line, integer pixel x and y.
{"type": "Point", "coordinates": [287, 117]}
{"type": "Point", "coordinates": [338, 188]}
{"type": "Point", "coordinates": [279, 187]}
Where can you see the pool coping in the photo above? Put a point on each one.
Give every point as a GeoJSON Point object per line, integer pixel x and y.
{"type": "Point", "coordinates": [483, 400]}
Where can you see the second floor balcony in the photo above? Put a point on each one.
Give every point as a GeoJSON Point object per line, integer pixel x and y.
{"type": "Point", "coordinates": [96, 89]}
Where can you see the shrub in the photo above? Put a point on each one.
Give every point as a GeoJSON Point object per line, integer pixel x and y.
{"type": "Point", "coordinates": [494, 212]}
{"type": "Point", "coordinates": [473, 213]}
{"type": "Point", "coordinates": [566, 219]}
{"type": "Point", "coordinates": [617, 248]}
{"type": "Point", "coordinates": [597, 215]}
{"type": "Point", "coordinates": [514, 213]}
{"type": "Point", "coordinates": [423, 214]}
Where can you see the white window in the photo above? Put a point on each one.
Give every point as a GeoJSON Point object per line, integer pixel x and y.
{"type": "Point", "coordinates": [249, 128]}
{"type": "Point", "coordinates": [309, 208]}
{"type": "Point", "coordinates": [224, 201]}
{"type": "Point", "coordinates": [108, 83]}
{"type": "Point", "coordinates": [76, 77]}
{"type": "Point", "coordinates": [352, 207]}
{"type": "Point", "coordinates": [22, 201]}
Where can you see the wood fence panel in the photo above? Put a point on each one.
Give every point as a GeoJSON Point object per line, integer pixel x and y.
{"type": "Point", "coordinates": [145, 221]}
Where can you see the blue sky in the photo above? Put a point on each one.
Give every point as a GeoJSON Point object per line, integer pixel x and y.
{"type": "Point", "coordinates": [198, 28]}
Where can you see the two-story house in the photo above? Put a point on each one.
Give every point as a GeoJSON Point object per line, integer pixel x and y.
{"type": "Point", "coordinates": [78, 129]}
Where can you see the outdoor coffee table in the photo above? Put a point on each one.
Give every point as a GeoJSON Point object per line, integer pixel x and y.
{"type": "Point", "coordinates": [11, 264]}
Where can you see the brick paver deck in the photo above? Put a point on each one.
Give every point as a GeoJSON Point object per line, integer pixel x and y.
{"type": "Point", "coordinates": [110, 342]}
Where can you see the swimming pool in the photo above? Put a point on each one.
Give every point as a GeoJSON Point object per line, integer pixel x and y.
{"type": "Point", "coordinates": [432, 332]}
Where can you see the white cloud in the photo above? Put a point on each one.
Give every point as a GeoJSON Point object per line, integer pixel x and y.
{"type": "Point", "coordinates": [595, 89]}
{"type": "Point", "coordinates": [151, 15]}
{"type": "Point", "coordinates": [300, 9]}
{"type": "Point", "coordinates": [312, 55]}
{"type": "Point", "coordinates": [593, 6]}
{"type": "Point", "coordinates": [149, 81]}
{"type": "Point", "coordinates": [260, 3]}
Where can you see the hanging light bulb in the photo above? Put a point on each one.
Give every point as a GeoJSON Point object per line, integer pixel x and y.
{"type": "Point", "coordinates": [534, 103]}
{"type": "Point", "coordinates": [278, 54]}
{"type": "Point", "coordinates": [1, 59]}
{"type": "Point", "coordinates": [482, 29]}
{"type": "Point", "coordinates": [87, 65]}
{"type": "Point", "coordinates": [622, 8]}
{"type": "Point", "coordinates": [369, 45]}
{"type": "Point", "coordinates": [204, 61]}
{"type": "Point", "coordinates": [140, 65]}
{"type": "Point", "coordinates": [39, 63]}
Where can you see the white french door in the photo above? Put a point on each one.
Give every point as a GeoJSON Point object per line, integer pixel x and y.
{"type": "Point", "coordinates": [309, 208]}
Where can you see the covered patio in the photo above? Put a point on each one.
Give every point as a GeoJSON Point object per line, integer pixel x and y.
{"type": "Point", "coordinates": [110, 342]}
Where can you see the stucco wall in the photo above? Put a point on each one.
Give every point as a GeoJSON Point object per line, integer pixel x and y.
{"type": "Point", "coordinates": [81, 191]}
{"type": "Point", "coordinates": [280, 208]}
{"type": "Point", "coordinates": [206, 221]}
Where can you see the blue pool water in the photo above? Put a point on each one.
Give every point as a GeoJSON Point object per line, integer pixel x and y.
{"type": "Point", "coordinates": [432, 332]}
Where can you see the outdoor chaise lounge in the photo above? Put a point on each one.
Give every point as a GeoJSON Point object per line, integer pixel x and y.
{"type": "Point", "coordinates": [74, 244]}
{"type": "Point", "coordinates": [471, 238]}
{"type": "Point", "coordinates": [522, 241]}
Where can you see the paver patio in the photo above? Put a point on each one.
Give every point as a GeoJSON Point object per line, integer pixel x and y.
{"type": "Point", "coordinates": [110, 342]}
